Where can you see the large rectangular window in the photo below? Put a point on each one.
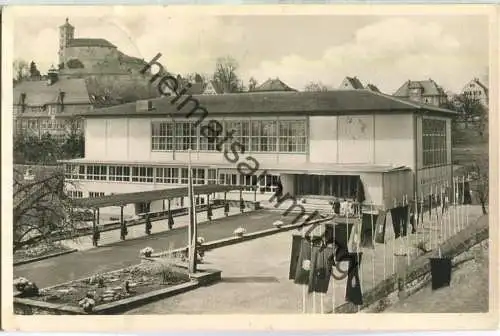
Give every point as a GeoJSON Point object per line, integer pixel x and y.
{"type": "Point", "coordinates": [434, 142]}
{"type": "Point", "coordinates": [208, 142]}
{"type": "Point", "coordinates": [229, 179]}
{"type": "Point", "coordinates": [288, 136]}
{"type": "Point", "coordinates": [167, 175]}
{"type": "Point", "coordinates": [97, 173]}
{"type": "Point", "coordinates": [184, 176]}
{"type": "Point", "coordinates": [186, 136]}
{"type": "Point", "coordinates": [94, 194]}
{"type": "Point", "coordinates": [240, 131]}
{"type": "Point", "coordinates": [119, 173]}
{"type": "Point", "coordinates": [75, 172]}
{"type": "Point", "coordinates": [264, 136]}
{"type": "Point", "coordinates": [162, 136]}
{"type": "Point", "coordinates": [75, 194]}
{"type": "Point", "coordinates": [211, 176]}
{"type": "Point", "coordinates": [249, 181]}
{"type": "Point", "coordinates": [292, 136]}
{"type": "Point", "coordinates": [142, 174]}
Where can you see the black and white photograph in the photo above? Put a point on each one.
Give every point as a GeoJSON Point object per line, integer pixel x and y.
{"type": "Point", "coordinates": [191, 160]}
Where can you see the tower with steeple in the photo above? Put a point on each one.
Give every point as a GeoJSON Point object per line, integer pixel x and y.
{"type": "Point", "coordinates": [66, 34]}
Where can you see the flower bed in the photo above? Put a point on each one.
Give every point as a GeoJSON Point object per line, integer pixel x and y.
{"type": "Point", "coordinates": [113, 286]}
{"type": "Point", "coordinates": [39, 251]}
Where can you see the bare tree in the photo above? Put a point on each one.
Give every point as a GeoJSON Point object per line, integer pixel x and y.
{"type": "Point", "coordinates": [470, 110]}
{"type": "Point", "coordinates": [226, 76]}
{"type": "Point", "coordinates": [252, 84]}
{"type": "Point", "coordinates": [196, 78]}
{"type": "Point", "coordinates": [316, 87]}
{"type": "Point", "coordinates": [41, 209]}
{"type": "Point", "coordinates": [21, 69]}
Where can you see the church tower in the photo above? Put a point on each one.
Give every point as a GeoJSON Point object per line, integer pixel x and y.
{"type": "Point", "coordinates": [66, 34]}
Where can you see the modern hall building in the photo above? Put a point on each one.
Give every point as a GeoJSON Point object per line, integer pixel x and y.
{"type": "Point", "coordinates": [315, 143]}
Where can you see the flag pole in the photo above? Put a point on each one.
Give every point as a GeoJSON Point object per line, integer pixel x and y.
{"type": "Point", "coordinates": [467, 205]}
{"type": "Point", "coordinates": [335, 261]}
{"type": "Point", "coordinates": [454, 205]}
{"type": "Point", "coordinates": [463, 199]}
{"type": "Point", "coordinates": [394, 242]}
{"type": "Point", "coordinates": [192, 226]}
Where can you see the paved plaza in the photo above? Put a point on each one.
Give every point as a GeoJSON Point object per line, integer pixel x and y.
{"type": "Point", "coordinates": [255, 274]}
{"type": "Point", "coordinates": [120, 254]}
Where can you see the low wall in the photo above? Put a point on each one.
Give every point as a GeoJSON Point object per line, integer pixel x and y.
{"type": "Point", "coordinates": [417, 275]}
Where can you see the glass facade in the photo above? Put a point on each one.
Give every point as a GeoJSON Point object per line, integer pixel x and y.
{"type": "Point", "coordinates": [434, 142]}
{"type": "Point", "coordinates": [169, 175]}
{"type": "Point", "coordinates": [287, 136]}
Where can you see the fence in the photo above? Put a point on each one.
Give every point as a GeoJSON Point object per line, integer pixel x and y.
{"type": "Point", "coordinates": [386, 242]}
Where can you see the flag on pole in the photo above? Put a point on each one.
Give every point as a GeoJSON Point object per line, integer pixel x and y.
{"type": "Point", "coordinates": [303, 267]}
{"type": "Point", "coordinates": [321, 269]}
{"type": "Point", "coordinates": [353, 292]}
{"type": "Point", "coordinates": [380, 227]}
{"type": "Point", "coordinates": [295, 254]}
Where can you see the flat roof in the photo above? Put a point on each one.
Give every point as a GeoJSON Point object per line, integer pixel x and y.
{"type": "Point", "coordinates": [314, 168]}
{"type": "Point", "coordinates": [293, 103]}
{"type": "Point", "coordinates": [147, 196]}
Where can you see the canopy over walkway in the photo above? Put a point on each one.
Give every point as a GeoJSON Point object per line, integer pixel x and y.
{"type": "Point", "coordinates": [153, 195]}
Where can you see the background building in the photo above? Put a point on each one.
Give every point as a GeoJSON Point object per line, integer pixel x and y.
{"type": "Point", "coordinates": [50, 106]}
{"type": "Point", "coordinates": [92, 55]}
{"type": "Point", "coordinates": [426, 91]}
{"type": "Point", "coordinates": [316, 143]}
{"type": "Point", "coordinates": [351, 83]}
{"type": "Point", "coordinates": [477, 90]}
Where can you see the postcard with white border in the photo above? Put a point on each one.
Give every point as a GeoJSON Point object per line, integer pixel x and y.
{"type": "Point", "coordinates": [249, 167]}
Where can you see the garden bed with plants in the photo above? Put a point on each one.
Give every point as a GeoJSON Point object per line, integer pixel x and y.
{"type": "Point", "coordinates": [88, 294]}
{"type": "Point", "coordinates": [39, 251]}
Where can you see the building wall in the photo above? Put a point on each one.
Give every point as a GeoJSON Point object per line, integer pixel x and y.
{"type": "Point", "coordinates": [474, 90]}
{"type": "Point", "coordinates": [134, 136]}
{"type": "Point", "coordinates": [431, 177]}
{"type": "Point", "coordinates": [370, 139]}
{"type": "Point", "coordinates": [89, 55]}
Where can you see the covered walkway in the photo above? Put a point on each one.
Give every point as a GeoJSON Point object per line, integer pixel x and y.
{"type": "Point", "coordinates": [143, 200]}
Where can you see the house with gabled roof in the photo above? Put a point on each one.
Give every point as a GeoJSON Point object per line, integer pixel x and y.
{"type": "Point", "coordinates": [351, 83]}
{"type": "Point", "coordinates": [477, 90]}
{"type": "Point", "coordinates": [42, 107]}
{"type": "Point", "coordinates": [372, 87]}
{"type": "Point", "coordinates": [424, 91]}
{"type": "Point", "coordinates": [273, 85]}
{"type": "Point", "coordinates": [211, 87]}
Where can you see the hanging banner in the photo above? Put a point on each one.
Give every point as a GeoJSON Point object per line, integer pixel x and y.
{"type": "Point", "coordinates": [380, 227]}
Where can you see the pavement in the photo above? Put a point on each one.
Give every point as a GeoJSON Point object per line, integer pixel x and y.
{"type": "Point", "coordinates": [120, 254]}
{"type": "Point", "coordinates": [254, 282]}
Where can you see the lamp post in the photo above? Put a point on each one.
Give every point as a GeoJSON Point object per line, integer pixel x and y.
{"type": "Point", "coordinates": [192, 220]}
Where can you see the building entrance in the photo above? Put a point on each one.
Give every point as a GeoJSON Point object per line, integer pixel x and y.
{"type": "Point", "coordinates": [341, 186]}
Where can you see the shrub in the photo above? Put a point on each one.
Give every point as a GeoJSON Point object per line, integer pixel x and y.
{"type": "Point", "coordinates": [147, 252]}
{"type": "Point", "coordinates": [239, 231]}
{"type": "Point", "coordinates": [74, 64]}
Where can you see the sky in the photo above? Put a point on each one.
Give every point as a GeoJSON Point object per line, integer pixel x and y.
{"type": "Point", "coordinates": [299, 49]}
